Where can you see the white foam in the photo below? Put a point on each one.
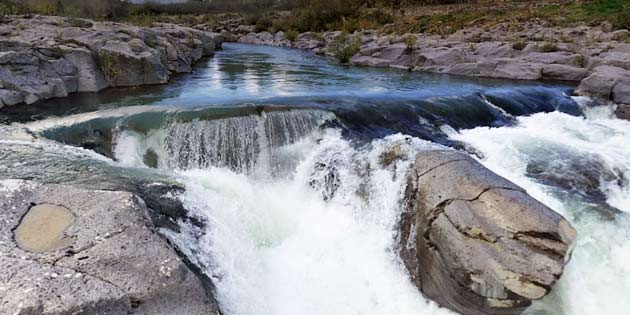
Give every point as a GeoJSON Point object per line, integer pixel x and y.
{"type": "Point", "coordinates": [597, 279]}
{"type": "Point", "coordinates": [274, 246]}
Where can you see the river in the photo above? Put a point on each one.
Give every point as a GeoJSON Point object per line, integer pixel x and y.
{"type": "Point", "coordinates": [281, 151]}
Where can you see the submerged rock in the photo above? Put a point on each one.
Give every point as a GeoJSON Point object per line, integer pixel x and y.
{"type": "Point", "coordinates": [623, 111]}
{"type": "Point", "coordinates": [475, 242]}
{"type": "Point", "coordinates": [111, 260]}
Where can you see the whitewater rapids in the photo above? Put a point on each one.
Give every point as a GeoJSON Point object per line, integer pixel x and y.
{"type": "Point", "coordinates": [597, 279]}
{"type": "Point", "coordinates": [282, 242]}
{"type": "Point", "coordinates": [276, 245]}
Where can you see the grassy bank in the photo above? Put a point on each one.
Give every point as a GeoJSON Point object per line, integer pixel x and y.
{"type": "Point", "coordinates": [393, 16]}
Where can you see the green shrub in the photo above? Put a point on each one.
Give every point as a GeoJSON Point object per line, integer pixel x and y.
{"type": "Point", "coordinates": [319, 37]}
{"type": "Point", "coordinates": [548, 47]}
{"type": "Point", "coordinates": [581, 61]}
{"type": "Point", "coordinates": [350, 25]}
{"type": "Point", "coordinates": [263, 24]}
{"type": "Point", "coordinates": [410, 43]}
{"type": "Point", "coordinates": [291, 35]}
{"type": "Point", "coordinates": [58, 36]}
{"type": "Point", "coordinates": [623, 19]}
{"type": "Point", "coordinates": [322, 15]}
{"type": "Point", "coordinates": [251, 19]}
{"type": "Point", "coordinates": [75, 22]}
{"type": "Point", "coordinates": [8, 7]}
{"type": "Point", "coordinates": [107, 64]}
{"type": "Point", "coordinates": [520, 45]}
{"type": "Point", "coordinates": [280, 24]}
{"type": "Point", "coordinates": [344, 47]}
{"type": "Point", "coordinates": [377, 17]}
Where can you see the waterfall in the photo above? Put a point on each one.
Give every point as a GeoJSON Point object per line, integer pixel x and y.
{"type": "Point", "coordinates": [243, 144]}
{"type": "Point", "coordinates": [277, 246]}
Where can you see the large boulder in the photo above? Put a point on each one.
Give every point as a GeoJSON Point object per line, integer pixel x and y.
{"type": "Point", "coordinates": [563, 72]}
{"type": "Point", "coordinates": [89, 76]}
{"type": "Point", "coordinates": [516, 69]}
{"type": "Point", "coordinates": [131, 63]}
{"type": "Point", "coordinates": [475, 242]}
{"type": "Point", "coordinates": [607, 82]}
{"type": "Point", "coordinates": [65, 250]}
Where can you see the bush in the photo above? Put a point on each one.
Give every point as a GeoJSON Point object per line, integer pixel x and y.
{"type": "Point", "coordinates": [623, 20]}
{"type": "Point", "coordinates": [263, 24]}
{"type": "Point", "coordinates": [350, 25]}
{"type": "Point", "coordinates": [323, 15]}
{"type": "Point", "coordinates": [520, 45]}
{"type": "Point", "coordinates": [377, 17]}
{"type": "Point", "coordinates": [581, 61]}
{"type": "Point", "coordinates": [75, 22]}
{"type": "Point", "coordinates": [291, 35]}
{"type": "Point", "coordinates": [410, 43]}
{"type": "Point", "coordinates": [548, 47]}
{"type": "Point", "coordinates": [8, 7]}
{"type": "Point", "coordinates": [319, 37]}
{"type": "Point", "coordinates": [344, 47]}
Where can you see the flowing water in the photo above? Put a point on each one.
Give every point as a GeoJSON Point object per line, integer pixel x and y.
{"type": "Point", "coordinates": [282, 156]}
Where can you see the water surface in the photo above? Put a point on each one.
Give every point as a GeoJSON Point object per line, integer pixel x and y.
{"type": "Point", "coordinates": [281, 151]}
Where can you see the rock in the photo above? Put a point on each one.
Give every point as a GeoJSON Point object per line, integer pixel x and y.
{"type": "Point", "coordinates": [620, 35]}
{"type": "Point", "coordinates": [563, 72]}
{"type": "Point", "coordinates": [602, 80]}
{"type": "Point", "coordinates": [229, 36]}
{"type": "Point", "coordinates": [122, 66]}
{"type": "Point", "coordinates": [369, 61]}
{"type": "Point", "coordinates": [623, 111]}
{"type": "Point", "coordinates": [489, 52]}
{"type": "Point", "coordinates": [606, 27]}
{"type": "Point", "coordinates": [9, 97]}
{"type": "Point", "coordinates": [475, 242]}
{"type": "Point", "coordinates": [443, 58]}
{"type": "Point", "coordinates": [89, 76]}
{"type": "Point", "coordinates": [496, 50]}
{"type": "Point", "coordinates": [617, 59]}
{"type": "Point", "coordinates": [53, 56]}
{"type": "Point", "coordinates": [307, 41]}
{"type": "Point", "coordinates": [513, 69]}
{"type": "Point", "coordinates": [621, 92]}
{"type": "Point", "coordinates": [106, 257]}
{"type": "Point", "coordinates": [42, 228]}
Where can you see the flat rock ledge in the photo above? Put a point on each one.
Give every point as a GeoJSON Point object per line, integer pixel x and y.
{"type": "Point", "coordinates": [42, 57]}
{"type": "Point", "coordinates": [595, 57]}
{"type": "Point", "coordinates": [102, 256]}
{"type": "Point", "coordinates": [475, 242]}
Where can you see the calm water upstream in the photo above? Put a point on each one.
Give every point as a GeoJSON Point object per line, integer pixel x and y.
{"type": "Point", "coordinates": [279, 151]}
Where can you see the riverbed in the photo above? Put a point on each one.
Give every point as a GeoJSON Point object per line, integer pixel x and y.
{"type": "Point", "coordinates": [281, 151]}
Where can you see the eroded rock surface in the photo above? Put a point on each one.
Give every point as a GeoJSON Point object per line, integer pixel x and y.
{"type": "Point", "coordinates": [44, 57]}
{"type": "Point", "coordinates": [113, 261]}
{"type": "Point", "coordinates": [475, 242]}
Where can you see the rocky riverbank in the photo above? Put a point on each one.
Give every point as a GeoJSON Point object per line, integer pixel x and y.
{"type": "Point", "coordinates": [65, 250]}
{"type": "Point", "coordinates": [42, 57]}
{"type": "Point", "coordinates": [597, 58]}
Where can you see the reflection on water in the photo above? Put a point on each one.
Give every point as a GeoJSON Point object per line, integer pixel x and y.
{"type": "Point", "coordinates": [256, 74]}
